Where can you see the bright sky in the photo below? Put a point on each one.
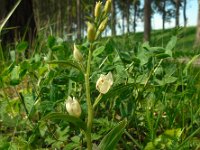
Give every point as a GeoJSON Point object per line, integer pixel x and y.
{"type": "Point", "coordinates": [191, 13]}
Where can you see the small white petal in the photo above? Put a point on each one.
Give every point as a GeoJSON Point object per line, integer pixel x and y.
{"type": "Point", "coordinates": [73, 107]}
{"type": "Point", "coordinates": [104, 83]}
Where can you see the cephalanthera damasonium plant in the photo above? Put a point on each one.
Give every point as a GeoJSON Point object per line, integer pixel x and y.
{"type": "Point", "coordinates": [103, 84]}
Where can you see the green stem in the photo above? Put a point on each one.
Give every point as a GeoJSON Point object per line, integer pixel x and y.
{"type": "Point", "coordinates": [97, 100]}
{"type": "Point", "coordinates": [88, 100]}
{"type": "Point", "coordinates": [133, 140]}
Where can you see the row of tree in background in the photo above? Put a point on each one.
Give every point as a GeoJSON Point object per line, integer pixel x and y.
{"type": "Point", "coordinates": [68, 17]}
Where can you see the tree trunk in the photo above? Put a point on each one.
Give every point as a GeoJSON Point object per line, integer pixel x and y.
{"type": "Point", "coordinates": [2, 10]}
{"type": "Point", "coordinates": [163, 15]}
{"type": "Point", "coordinates": [123, 23]}
{"type": "Point", "coordinates": [22, 20]}
{"type": "Point", "coordinates": [58, 20]}
{"type": "Point", "coordinates": [184, 13]}
{"type": "Point", "coordinates": [197, 42]}
{"type": "Point", "coordinates": [113, 18]}
{"type": "Point", "coordinates": [147, 20]}
{"type": "Point", "coordinates": [135, 16]}
{"type": "Point", "coordinates": [78, 14]}
{"type": "Point", "coordinates": [127, 15]}
{"type": "Point", "coordinates": [177, 12]}
{"type": "Point", "coordinates": [69, 19]}
{"type": "Point", "coordinates": [36, 6]}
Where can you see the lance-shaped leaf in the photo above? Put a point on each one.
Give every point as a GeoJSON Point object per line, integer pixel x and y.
{"type": "Point", "coordinates": [111, 139]}
{"type": "Point", "coordinates": [190, 63]}
{"type": "Point", "coordinates": [61, 116]}
{"type": "Point", "coordinates": [69, 63]}
{"type": "Point", "coordinates": [118, 90]}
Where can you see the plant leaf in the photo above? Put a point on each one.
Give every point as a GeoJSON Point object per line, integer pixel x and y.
{"type": "Point", "coordinates": [70, 63]}
{"type": "Point", "coordinates": [117, 90]}
{"type": "Point", "coordinates": [189, 63]}
{"type": "Point", "coordinates": [22, 46]}
{"type": "Point", "coordinates": [51, 41]}
{"type": "Point", "coordinates": [9, 15]}
{"type": "Point", "coordinates": [57, 48]}
{"type": "Point", "coordinates": [76, 121]}
{"type": "Point", "coordinates": [170, 45]}
{"type": "Point", "coordinates": [15, 78]}
{"type": "Point", "coordinates": [162, 56]}
{"type": "Point", "coordinates": [167, 139]}
{"type": "Point", "coordinates": [111, 139]}
{"type": "Point", "coordinates": [98, 51]}
{"type": "Point", "coordinates": [143, 54]}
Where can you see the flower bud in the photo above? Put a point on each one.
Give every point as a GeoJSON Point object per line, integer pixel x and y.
{"type": "Point", "coordinates": [73, 107]}
{"type": "Point", "coordinates": [104, 83]}
{"type": "Point", "coordinates": [103, 25]}
{"type": "Point", "coordinates": [91, 32]}
{"type": "Point", "coordinates": [97, 9]}
{"type": "Point", "coordinates": [77, 54]}
{"type": "Point", "coordinates": [107, 6]}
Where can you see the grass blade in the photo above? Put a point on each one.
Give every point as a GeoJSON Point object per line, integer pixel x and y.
{"type": "Point", "coordinates": [9, 15]}
{"type": "Point", "coordinates": [76, 121]}
{"type": "Point", "coordinates": [111, 139]}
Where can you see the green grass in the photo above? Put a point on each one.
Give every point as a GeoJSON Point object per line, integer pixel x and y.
{"type": "Point", "coordinates": [157, 98]}
{"type": "Point", "coordinates": [184, 47]}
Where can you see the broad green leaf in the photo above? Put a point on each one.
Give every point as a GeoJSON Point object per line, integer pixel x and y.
{"type": "Point", "coordinates": [150, 146]}
{"type": "Point", "coordinates": [15, 78]}
{"type": "Point", "coordinates": [70, 63]}
{"type": "Point", "coordinates": [146, 45]}
{"type": "Point", "coordinates": [125, 56]}
{"type": "Point", "coordinates": [143, 54]}
{"type": "Point", "coordinates": [142, 79]}
{"type": "Point", "coordinates": [166, 80]}
{"type": "Point", "coordinates": [61, 116]}
{"type": "Point", "coordinates": [25, 65]}
{"type": "Point", "coordinates": [37, 58]}
{"type": "Point", "coordinates": [109, 46]}
{"type": "Point", "coordinates": [29, 101]}
{"type": "Point", "coordinates": [4, 143]}
{"type": "Point", "coordinates": [22, 46]}
{"type": "Point", "coordinates": [165, 140]}
{"type": "Point", "coordinates": [111, 139]}
{"type": "Point", "coordinates": [170, 45]}
{"type": "Point", "coordinates": [169, 79]}
{"type": "Point", "coordinates": [12, 55]}
{"type": "Point", "coordinates": [173, 133]}
{"type": "Point", "coordinates": [51, 41]}
{"type": "Point", "coordinates": [98, 51]}
{"type": "Point", "coordinates": [57, 48]}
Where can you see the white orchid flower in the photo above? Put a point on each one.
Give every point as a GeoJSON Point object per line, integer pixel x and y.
{"type": "Point", "coordinates": [104, 83]}
{"type": "Point", "coordinates": [73, 107]}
